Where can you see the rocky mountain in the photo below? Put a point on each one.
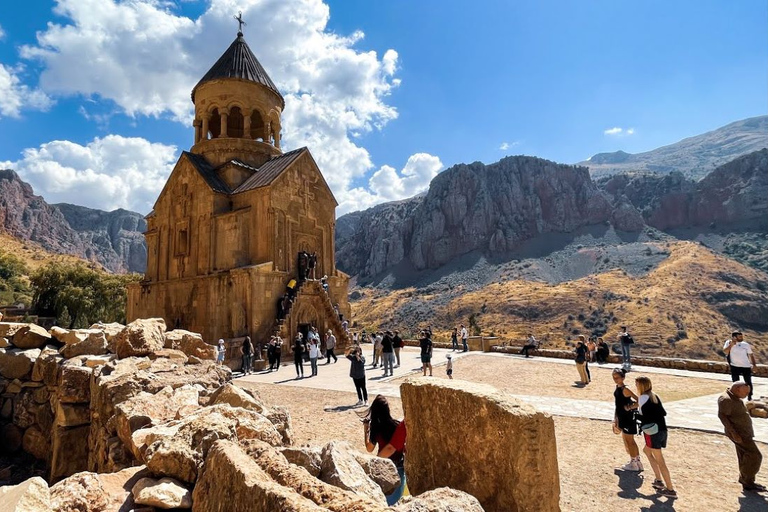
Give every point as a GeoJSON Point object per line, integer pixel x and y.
{"type": "Point", "coordinates": [498, 209]}
{"type": "Point", "coordinates": [113, 239]}
{"type": "Point", "coordinates": [694, 157]}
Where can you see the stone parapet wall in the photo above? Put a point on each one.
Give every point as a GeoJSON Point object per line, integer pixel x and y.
{"type": "Point", "coordinates": [695, 365]}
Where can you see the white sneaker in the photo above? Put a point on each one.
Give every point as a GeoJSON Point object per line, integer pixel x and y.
{"type": "Point", "coordinates": [365, 403]}
{"type": "Point", "coordinates": [630, 466]}
{"type": "Point", "coordinates": [639, 464]}
{"type": "Point", "coordinates": [359, 403]}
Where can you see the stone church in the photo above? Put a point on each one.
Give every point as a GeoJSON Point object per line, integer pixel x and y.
{"type": "Point", "coordinates": [225, 233]}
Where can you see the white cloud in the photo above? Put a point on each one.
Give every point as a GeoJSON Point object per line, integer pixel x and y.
{"type": "Point", "coordinates": [107, 173]}
{"type": "Point", "coordinates": [619, 132]}
{"type": "Point", "coordinates": [2, 33]}
{"type": "Point", "coordinates": [504, 146]}
{"type": "Point", "coordinates": [15, 96]}
{"type": "Point", "coordinates": [146, 58]}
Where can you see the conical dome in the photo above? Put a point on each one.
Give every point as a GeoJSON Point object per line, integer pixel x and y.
{"type": "Point", "coordinates": [239, 62]}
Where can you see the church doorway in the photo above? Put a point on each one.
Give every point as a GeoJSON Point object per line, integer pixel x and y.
{"type": "Point", "coordinates": [304, 330]}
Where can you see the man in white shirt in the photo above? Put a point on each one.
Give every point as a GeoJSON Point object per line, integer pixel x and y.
{"type": "Point", "coordinates": [330, 345]}
{"type": "Point", "coordinates": [464, 336]}
{"type": "Point", "coordinates": [741, 358]}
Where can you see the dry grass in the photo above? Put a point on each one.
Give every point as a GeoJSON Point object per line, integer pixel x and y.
{"type": "Point", "coordinates": [667, 301]}
{"type": "Point", "coordinates": [703, 466]}
{"type": "Point", "coordinates": [33, 254]}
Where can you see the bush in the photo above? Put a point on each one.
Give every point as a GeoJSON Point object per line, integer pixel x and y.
{"type": "Point", "coordinates": [14, 286]}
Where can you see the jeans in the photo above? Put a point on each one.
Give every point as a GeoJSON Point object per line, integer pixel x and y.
{"type": "Point", "coordinates": [246, 363]}
{"type": "Point", "coordinates": [737, 371]}
{"type": "Point", "coordinates": [464, 342]}
{"type": "Point", "coordinates": [362, 393]}
{"type": "Point", "coordinates": [313, 365]}
{"type": "Point", "coordinates": [455, 343]}
{"type": "Point", "coordinates": [329, 354]}
{"type": "Point", "coordinates": [625, 354]}
{"type": "Point", "coordinates": [398, 493]}
{"type": "Point", "coordinates": [389, 362]}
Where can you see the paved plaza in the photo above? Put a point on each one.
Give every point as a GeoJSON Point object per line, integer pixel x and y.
{"type": "Point", "coordinates": [698, 413]}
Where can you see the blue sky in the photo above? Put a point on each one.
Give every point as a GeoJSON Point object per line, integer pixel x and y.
{"type": "Point", "coordinates": [95, 93]}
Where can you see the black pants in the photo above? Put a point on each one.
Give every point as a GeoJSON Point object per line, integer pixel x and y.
{"type": "Point", "coordinates": [329, 354]}
{"type": "Point", "coordinates": [586, 367]}
{"type": "Point", "coordinates": [527, 349]}
{"type": "Point", "coordinates": [299, 363]}
{"type": "Point", "coordinates": [278, 355]}
{"type": "Point", "coordinates": [736, 371]}
{"type": "Point", "coordinates": [246, 363]}
{"type": "Point", "coordinates": [362, 393]}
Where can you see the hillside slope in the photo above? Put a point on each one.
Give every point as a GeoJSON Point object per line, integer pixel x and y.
{"type": "Point", "coordinates": [695, 156]}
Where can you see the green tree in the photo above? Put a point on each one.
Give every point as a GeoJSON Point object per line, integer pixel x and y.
{"type": "Point", "coordinates": [86, 293]}
{"type": "Point", "coordinates": [14, 285]}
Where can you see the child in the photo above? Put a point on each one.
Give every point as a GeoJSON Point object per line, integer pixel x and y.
{"type": "Point", "coordinates": [449, 366]}
{"type": "Point", "coordinates": [222, 350]}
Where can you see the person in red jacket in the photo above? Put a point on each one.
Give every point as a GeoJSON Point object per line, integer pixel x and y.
{"type": "Point", "coordinates": [382, 430]}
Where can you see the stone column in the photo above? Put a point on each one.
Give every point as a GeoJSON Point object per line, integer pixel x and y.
{"type": "Point", "coordinates": [205, 127]}
{"type": "Point", "coordinates": [197, 124]}
{"type": "Point", "coordinates": [247, 124]}
{"type": "Point", "coordinates": [267, 131]}
{"type": "Point", "coordinates": [277, 135]}
{"type": "Point", "coordinates": [224, 120]}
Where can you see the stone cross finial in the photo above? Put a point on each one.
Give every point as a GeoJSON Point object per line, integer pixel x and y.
{"type": "Point", "coordinates": [240, 22]}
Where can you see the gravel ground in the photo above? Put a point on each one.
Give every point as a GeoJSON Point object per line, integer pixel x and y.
{"type": "Point", "coordinates": [703, 466]}
{"type": "Point", "coordinates": [538, 377]}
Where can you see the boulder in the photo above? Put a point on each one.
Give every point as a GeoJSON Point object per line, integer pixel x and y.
{"type": "Point", "coordinates": [248, 487]}
{"type": "Point", "coordinates": [9, 329]}
{"type": "Point", "coordinates": [36, 443]}
{"type": "Point", "coordinates": [281, 419]}
{"type": "Point", "coordinates": [91, 492]}
{"type": "Point", "coordinates": [164, 493]}
{"type": "Point", "coordinates": [16, 363]}
{"type": "Point", "coordinates": [96, 361]}
{"type": "Point", "coordinates": [380, 470]}
{"type": "Point", "coordinates": [92, 343]}
{"type": "Point", "coordinates": [75, 384]}
{"type": "Point", "coordinates": [140, 337]}
{"type": "Point", "coordinates": [307, 457]}
{"type": "Point", "coordinates": [46, 368]}
{"type": "Point", "coordinates": [31, 336]}
{"type": "Point", "coordinates": [493, 465]}
{"type": "Point", "coordinates": [169, 353]}
{"type": "Point", "coordinates": [13, 387]}
{"type": "Point", "coordinates": [236, 397]}
{"type": "Point", "coordinates": [75, 336]}
{"type": "Point", "coordinates": [31, 495]}
{"type": "Point", "coordinates": [191, 343]}
{"type": "Point", "coordinates": [340, 468]}
{"type": "Point", "coordinates": [111, 331]}
{"type": "Point", "coordinates": [298, 479]}
{"type": "Point", "coordinates": [442, 499]}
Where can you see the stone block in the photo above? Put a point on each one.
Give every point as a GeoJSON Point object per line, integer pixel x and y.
{"type": "Point", "coordinates": [236, 397]}
{"type": "Point", "coordinates": [16, 363]}
{"type": "Point", "coordinates": [31, 495]}
{"type": "Point", "coordinates": [31, 336]}
{"type": "Point", "coordinates": [93, 343]}
{"type": "Point", "coordinates": [340, 468]}
{"type": "Point", "coordinates": [91, 492]}
{"type": "Point", "coordinates": [140, 337]}
{"type": "Point", "coordinates": [70, 452]}
{"type": "Point", "coordinates": [164, 493]}
{"type": "Point", "coordinates": [46, 368]}
{"type": "Point", "coordinates": [380, 470]}
{"type": "Point", "coordinates": [508, 459]}
{"type": "Point", "coordinates": [307, 457]}
{"type": "Point", "coordinates": [9, 329]}
{"type": "Point", "coordinates": [72, 415]}
{"type": "Point", "coordinates": [75, 384]}
{"type": "Point", "coordinates": [191, 343]}
{"type": "Point", "coordinates": [442, 499]}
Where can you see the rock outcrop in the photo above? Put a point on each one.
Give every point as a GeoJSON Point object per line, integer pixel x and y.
{"type": "Point", "coordinates": [442, 499]}
{"type": "Point", "coordinates": [113, 239]}
{"type": "Point", "coordinates": [493, 465]}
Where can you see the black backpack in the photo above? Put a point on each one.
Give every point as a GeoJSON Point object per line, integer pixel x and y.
{"type": "Point", "coordinates": [628, 339]}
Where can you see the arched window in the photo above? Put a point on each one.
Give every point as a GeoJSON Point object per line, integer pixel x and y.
{"type": "Point", "coordinates": [257, 126]}
{"type": "Point", "coordinates": [235, 123]}
{"type": "Point", "coordinates": [214, 124]}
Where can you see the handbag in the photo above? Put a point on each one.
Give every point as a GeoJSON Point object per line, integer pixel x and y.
{"type": "Point", "coordinates": [650, 429]}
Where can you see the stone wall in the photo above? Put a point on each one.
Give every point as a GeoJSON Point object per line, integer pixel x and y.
{"type": "Point", "coordinates": [695, 365]}
{"type": "Point", "coordinates": [473, 438]}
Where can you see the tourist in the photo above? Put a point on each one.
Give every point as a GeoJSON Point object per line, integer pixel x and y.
{"type": "Point", "coordinates": [356, 338]}
{"type": "Point", "coordinates": [429, 331]}
{"type": "Point", "coordinates": [298, 355]}
{"type": "Point", "coordinates": [330, 346]}
{"type": "Point", "coordinates": [312, 264]}
{"type": "Point", "coordinates": [302, 266]}
{"type": "Point", "coordinates": [624, 421]}
{"type": "Point", "coordinates": [592, 346]}
{"type": "Point", "coordinates": [357, 372]}
{"type": "Point", "coordinates": [455, 339]}
{"type": "Point", "coordinates": [311, 335]}
{"type": "Point", "coordinates": [271, 353]}
{"type": "Point", "coordinates": [337, 310]}
{"type": "Point", "coordinates": [324, 283]}
{"type": "Point", "coordinates": [449, 366]}
{"type": "Point", "coordinates": [281, 308]}
{"type": "Point", "coordinates": [314, 353]}
{"type": "Point", "coordinates": [220, 354]}
{"type": "Point", "coordinates": [345, 325]}
{"type": "Point", "coordinates": [602, 351]}
{"type": "Point", "coordinates": [278, 351]}
{"type": "Point", "coordinates": [651, 415]}
{"type": "Point", "coordinates": [742, 359]}
{"type": "Point", "coordinates": [291, 292]}
{"type": "Point", "coordinates": [363, 337]}
{"type": "Point", "coordinates": [388, 353]}
{"type": "Point", "coordinates": [626, 340]}
{"type": "Point", "coordinates": [738, 428]}
{"type": "Point", "coordinates": [377, 346]}
{"type": "Point", "coordinates": [397, 343]}
{"type": "Point", "coordinates": [389, 435]}
{"type": "Point", "coordinates": [247, 351]}
{"type": "Point", "coordinates": [530, 344]}
{"type": "Point", "coordinates": [464, 336]}
{"type": "Point", "coordinates": [425, 343]}
{"type": "Point", "coordinates": [581, 360]}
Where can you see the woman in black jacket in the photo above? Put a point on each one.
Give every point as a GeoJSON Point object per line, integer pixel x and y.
{"type": "Point", "coordinates": [654, 426]}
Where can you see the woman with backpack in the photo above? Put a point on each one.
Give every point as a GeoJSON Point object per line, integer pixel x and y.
{"type": "Point", "coordinates": [651, 414]}
{"type": "Point", "coordinates": [624, 421]}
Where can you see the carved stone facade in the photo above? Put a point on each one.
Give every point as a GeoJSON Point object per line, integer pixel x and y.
{"type": "Point", "coordinates": [225, 233]}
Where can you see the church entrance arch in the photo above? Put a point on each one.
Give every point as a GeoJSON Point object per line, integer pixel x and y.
{"type": "Point", "coordinates": [305, 315]}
